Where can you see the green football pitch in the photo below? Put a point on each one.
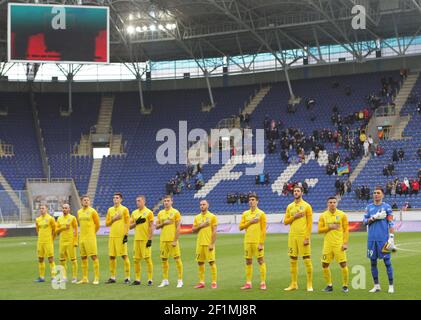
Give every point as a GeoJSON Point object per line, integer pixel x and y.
{"type": "Point", "coordinates": [18, 265]}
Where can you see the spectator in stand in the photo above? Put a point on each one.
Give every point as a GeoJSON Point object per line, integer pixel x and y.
{"type": "Point", "coordinates": [419, 153]}
{"type": "Point", "coordinates": [363, 137]}
{"type": "Point", "coordinates": [348, 186]}
{"type": "Point", "coordinates": [379, 150]}
{"type": "Point", "coordinates": [389, 186]}
{"type": "Point", "coordinates": [338, 186]}
{"type": "Point", "coordinates": [305, 187]}
{"type": "Point", "coordinates": [419, 175]}
{"type": "Point", "coordinates": [419, 107]}
{"type": "Point", "coordinates": [401, 154]}
{"type": "Point", "coordinates": [399, 188]}
{"type": "Point", "coordinates": [415, 186]}
{"type": "Point", "coordinates": [395, 156]}
{"type": "Point", "coordinates": [407, 186]}
{"type": "Point", "coordinates": [366, 145]}
{"type": "Point", "coordinates": [395, 206]}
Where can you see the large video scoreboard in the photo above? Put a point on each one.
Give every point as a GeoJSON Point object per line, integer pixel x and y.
{"type": "Point", "coordinates": [58, 33]}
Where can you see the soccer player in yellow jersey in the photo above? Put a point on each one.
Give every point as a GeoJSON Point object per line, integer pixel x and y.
{"type": "Point", "coordinates": [67, 228]}
{"type": "Point", "coordinates": [89, 225]}
{"type": "Point", "coordinates": [205, 224]}
{"type": "Point", "coordinates": [118, 218]}
{"type": "Point", "coordinates": [334, 224]}
{"type": "Point", "coordinates": [46, 227]}
{"type": "Point", "coordinates": [254, 222]}
{"type": "Point", "coordinates": [142, 221]}
{"type": "Point", "coordinates": [299, 215]}
{"type": "Point", "coordinates": [169, 220]}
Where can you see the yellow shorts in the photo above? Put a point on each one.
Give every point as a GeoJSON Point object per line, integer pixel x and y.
{"type": "Point", "coordinates": [333, 251]}
{"type": "Point", "coordinates": [67, 251]}
{"type": "Point", "coordinates": [116, 248]}
{"type": "Point", "coordinates": [140, 250]}
{"type": "Point", "coordinates": [203, 254]}
{"type": "Point", "coordinates": [45, 250]}
{"type": "Point", "coordinates": [296, 247]}
{"type": "Point", "coordinates": [251, 250]}
{"type": "Point", "coordinates": [167, 250]}
{"type": "Point", "coordinates": [88, 248]}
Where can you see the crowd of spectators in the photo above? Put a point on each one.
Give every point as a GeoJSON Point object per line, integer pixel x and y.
{"type": "Point", "coordinates": [191, 178]}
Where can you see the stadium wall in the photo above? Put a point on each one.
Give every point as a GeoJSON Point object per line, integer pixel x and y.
{"type": "Point", "coordinates": [295, 73]}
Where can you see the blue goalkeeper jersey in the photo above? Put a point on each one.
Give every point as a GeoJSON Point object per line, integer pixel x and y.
{"type": "Point", "coordinates": [379, 229]}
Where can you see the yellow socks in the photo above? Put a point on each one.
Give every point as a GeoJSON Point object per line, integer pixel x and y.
{"type": "Point", "coordinates": [249, 272]}
{"type": "Point", "coordinates": [127, 268]}
{"type": "Point", "coordinates": [309, 271]}
{"type": "Point", "coordinates": [179, 268]}
{"type": "Point", "coordinates": [345, 276]}
{"type": "Point", "coordinates": [327, 275]}
{"type": "Point", "coordinates": [96, 268]}
{"type": "Point", "coordinates": [41, 269]}
{"type": "Point", "coordinates": [262, 268]}
{"type": "Point", "coordinates": [149, 266]}
{"type": "Point", "coordinates": [137, 270]}
{"type": "Point", "coordinates": [214, 272]}
{"type": "Point", "coordinates": [202, 273]}
{"type": "Point", "coordinates": [294, 272]}
{"type": "Point", "coordinates": [113, 267]}
{"type": "Point", "coordinates": [85, 269]}
{"type": "Point", "coordinates": [165, 268]}
{"type": "Point", "coordinates": [74, 269]}
{"type": "Point", "coordinates": [53, 269]}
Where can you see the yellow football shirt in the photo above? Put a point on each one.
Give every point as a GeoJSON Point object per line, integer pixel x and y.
{"type": "Point", "coordinates": [338, 236]}
{"type": "Point", "coordinates": [118, 228]}
{"type": "Point", "coordinates": [301, 226]}
{"type": "Point", "coordinates": [89, 223]}
{"type": "Point", "coordinates": [67, 236]}
{"type": "Point", "coordinates": [255, 233]}
{"type": "Point", "coordinates": [168, 231]}
{"type": "Point", "coordinates": [46, 226]}
{"type": "Point", "coordinates": [142, 230]}
{"type": "Point", "coordinates": [204, 236]}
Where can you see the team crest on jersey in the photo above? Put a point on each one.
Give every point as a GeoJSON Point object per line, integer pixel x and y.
{"type": "Point", "coordinates": [301, 208]}
{"type": "Point", "coordinates": [337, 218]}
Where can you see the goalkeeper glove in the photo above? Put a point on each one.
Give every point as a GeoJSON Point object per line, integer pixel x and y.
{"type": "Point", "coordinates": [125, 239]}
{"type": "Point", "coordinates": [140, 220]}
{"type": "Point", "coordinates": [149, 243]}
{"type": "Point", "coordinates": [390, 245]}
{"type": "Point", "coordinates": [380, 215]}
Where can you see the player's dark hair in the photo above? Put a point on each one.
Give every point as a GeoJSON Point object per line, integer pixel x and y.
{"type": "Point", "coordinates": [379, 188]}
{"type": "Point", "coordinates": [332, 198]}
{"type": "Point", "coordinates": [118, 194]}
{"type": "Point", "coordinates": [141, 196]}
{"type": "Point", "coordinates": [253, 195]}
{"type": "Point", "coordinates": [298, 187]}
{"type": "Point", "coordinates": [84, 196]}
{"type": "Point", "coordinates": [167, 196]}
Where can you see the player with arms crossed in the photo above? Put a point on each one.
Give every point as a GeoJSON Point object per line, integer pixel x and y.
{"type": "Point", "coordinates": [169, 220]}
{"type": "Point", "coordinates": [46, 228]}
{"type": "Point", "coordinates": [299, 215]}
{"type": "Point", "coordinates": [380, 242]}
{"type": "Point", "coordinates": [67, 229]}
{"type": "Point", "coordinates": [142, 221]}
{"type": "Point", "coordinates": [89, 225]}
{"type": "Point", "coordinates": [334, 224]}
{"type": "Point", "coordinates": [254, 222]}
{"type": "Point", "coordinates": [205, 224]}
{"type": "Point", "coordinates": [118, 218]}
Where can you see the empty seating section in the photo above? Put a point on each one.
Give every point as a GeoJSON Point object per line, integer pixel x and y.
{"type": "Point", "coordinates": [17, 128]}
{"type": "Point", "coordinates": [62, 133]}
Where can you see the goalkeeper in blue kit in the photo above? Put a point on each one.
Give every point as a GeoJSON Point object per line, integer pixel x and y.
{"type": "Point", "coordinates": [380, 242]}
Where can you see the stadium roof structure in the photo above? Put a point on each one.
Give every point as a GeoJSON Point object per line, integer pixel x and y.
{"type": "Point", "coordinates": [160, 30]}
